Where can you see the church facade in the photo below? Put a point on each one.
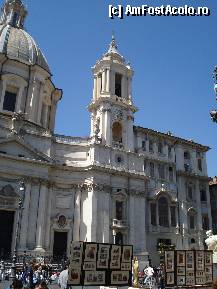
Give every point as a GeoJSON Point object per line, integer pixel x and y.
{"type": "Point", "coordinates": [124, 184]}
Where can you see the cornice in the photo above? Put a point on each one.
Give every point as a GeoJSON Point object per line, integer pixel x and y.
{"type": "Point", "coordinates": [176, 140]}
{"type": "Point", "coordinates": [192, 175]}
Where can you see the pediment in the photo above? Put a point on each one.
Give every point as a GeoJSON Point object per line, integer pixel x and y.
{"type": "Point", "coordinates": [8, 191]}
{"type": "Point", "coordinates": [19, 148]}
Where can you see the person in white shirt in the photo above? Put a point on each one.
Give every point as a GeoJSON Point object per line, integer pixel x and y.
{"type": "Point", "coordinates": [149, 271]}
{"type": "Point", "coordinates": [63, 278]}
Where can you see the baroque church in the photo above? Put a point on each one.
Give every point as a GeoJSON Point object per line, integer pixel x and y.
{"type": "Point", "coordinates": [123, 184]}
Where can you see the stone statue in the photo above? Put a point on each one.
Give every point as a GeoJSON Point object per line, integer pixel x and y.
{"type": "Point", "coordinates": [135, 272]}
{"type": "Point", "coordinates": [96, 127]}
{"type": "Point", "coordinates": [211, 241]}
{"type": "Point", "coordinates": [17, 117]}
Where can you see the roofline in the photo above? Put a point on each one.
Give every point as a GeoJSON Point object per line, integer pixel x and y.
{"type": "Point", "coordinates": [173, 138]}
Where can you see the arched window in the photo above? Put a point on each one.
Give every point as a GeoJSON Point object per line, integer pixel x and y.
{"type": "Point", "coordinates": [10, 98]}
{"type": "Point", "coordinates": [117, 132]}
{"type": "Point", "coordinates": [118, 80]}
{"type": "Point", "coordinates": [163, 210]}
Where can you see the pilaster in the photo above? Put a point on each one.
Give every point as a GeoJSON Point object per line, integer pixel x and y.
{"type": "Point", "coordinates": [25, 219]}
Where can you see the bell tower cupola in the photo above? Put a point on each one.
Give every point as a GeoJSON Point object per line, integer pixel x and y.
{"type": "Point", "coordinates": [13, 13]}
{"type": "Point", "coordinates": [112, 106]}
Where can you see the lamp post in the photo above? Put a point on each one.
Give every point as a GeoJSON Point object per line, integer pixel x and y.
{"type": "Point", "coordinates": [20, 207]}
{"type": "Point", "coordinates": [213, 113]}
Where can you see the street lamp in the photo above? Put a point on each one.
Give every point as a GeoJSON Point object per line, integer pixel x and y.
{"type": "Point", "coordinates": [20, 207]}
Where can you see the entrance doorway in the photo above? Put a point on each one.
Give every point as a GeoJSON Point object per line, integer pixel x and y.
{"type": "Point", "coordinates": [6, 231]}
{"type": "Point", "coordinates": [60, 245]}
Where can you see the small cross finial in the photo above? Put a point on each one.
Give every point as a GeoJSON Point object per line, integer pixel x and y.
{"type": "Point", "coordinates": [113, 46]}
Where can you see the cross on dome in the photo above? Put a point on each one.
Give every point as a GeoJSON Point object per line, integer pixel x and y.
{"type": "Point", "coordinates": [113, 48]}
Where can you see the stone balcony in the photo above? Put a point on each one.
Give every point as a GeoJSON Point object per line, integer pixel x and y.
{"type": "Point", "coordinates": [119, 224]}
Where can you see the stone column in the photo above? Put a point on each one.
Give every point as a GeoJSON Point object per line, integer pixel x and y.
{"type": "Point", "coordinates": [19, 99]}
{"type": "Point", "coordinates": [34, 99]}
{"type": "Point", "coordinates": [95, 87]}
{"type": "Point", "coordinates": [108, 81]}
{"type": "Point", "coordinates": [45, 116]}
{"type": "Point", "coordinates": [41, 94]}
{"type": "Point", "coordinates": [184, 220]}
{"type": "Point", "coordinates": [130, 137]}
{"type": "Point", "coordinates": [130, 87]}
{"type": "Point", "coordinates": [99, 85]}
{"type": "Point", "coordinates": [41, 218]}
{"type": "Point", "coordinates": [199, 213]}
{"type": "Point", "coordinates": [106, 218]}
{"type": "Point", "coordinates": [112, 87]}
{"type": "Point", "coordinates": [209, 206]}
{"type": "Point", "coordinates": [48, 218]}
{"type": "Point", "coordinates": [132, 220]}
{"type": "Point", "coordinates": [77, 215]}
{"type": "Point", "coordinates": [2, 93]}
{"type": "Point", "coordinates": [25, 219]}
{"type": "Point", "coordinates": [123, 86]}
{"type": "Point", "coordinates": [103, 80]}
{"type": "Point", "coordinates": [107, 126]}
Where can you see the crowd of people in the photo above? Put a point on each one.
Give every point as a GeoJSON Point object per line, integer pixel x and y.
{"type": "Point", "coordinates": [34, 275]}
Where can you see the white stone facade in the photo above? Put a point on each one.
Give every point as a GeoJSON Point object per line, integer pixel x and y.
{"type": "Point", "coordinates": [122, 184]}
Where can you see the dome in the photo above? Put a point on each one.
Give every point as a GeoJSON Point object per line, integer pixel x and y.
{"type": "Point", "coordinates": [15, 42]}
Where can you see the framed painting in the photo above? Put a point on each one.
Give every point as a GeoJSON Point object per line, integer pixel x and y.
{"type": "Point", "coordinates": [189, 260]}
{"type": "Point", "coordinates": [180, 258]}
{"type": "Point", "coordinates": [74, 277]}
{"type": "Point", "coordinates": [115, 262]}
{"type": "Point", "coordinates": [76, 254]}
{"type": "Point", "coordinates": [169, 261]}
{"type": "Point", "coordinates": [127, 254]}
{"type": "Point", "coordinates": [94, 278]}
{"type": "Point", "coordinates": [103, 256]}
{"type": "Point", "coordinates": [120, 277]}
{"type": "Point", "coordinates": [180, 280]}
{"type": "Point", "coordinates": [170, 279]}
{"type": "Point", "coordinates": [180, 271]}
{"type": "Point", "coordinates": [90, 252]}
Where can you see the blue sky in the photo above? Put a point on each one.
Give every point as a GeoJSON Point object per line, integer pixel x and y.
{"type": "Point", "coordinates": [173, 59]}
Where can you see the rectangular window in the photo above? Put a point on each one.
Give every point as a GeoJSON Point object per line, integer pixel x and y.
{"type": "Point", "coordinates": [199, 164]}
{"type": "Point", "coordinates": [205, 222]}
{"type": "Point", "coordinates": [151, 146]}
{"type": "Point", "coordinates": [152, 170]}
{"type": "Point", "coordinates": [160, 148]}
{"type": "Point", "coordinates": [144, 165]}
{"type": "Point", "coordinates": [203, 196]}
{"type": "Point", "coordinates": [9, 101]}
{"type": "Point", "coordinates": [190, 193]}
{"type": "Point", "coordinates": [173, 216]}
{"type": "Point", "coordinates": [169, 152]}
{"type": "Point", "coordinates": [170, 174]}
{"type": "Point", "coordinates": [119, 210]}
{"type": "Point", "coordinates": [153, 215]}
{"type": "Point", "coordinates": [144, 145]}
{"type": "Point", "coordinates": [161, 172]}
{"type": "Point", "coordinates": [191, 220]}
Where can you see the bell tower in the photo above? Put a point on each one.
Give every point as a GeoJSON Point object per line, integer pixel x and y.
{"type": "Point", "coordinates": [112, 110]}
